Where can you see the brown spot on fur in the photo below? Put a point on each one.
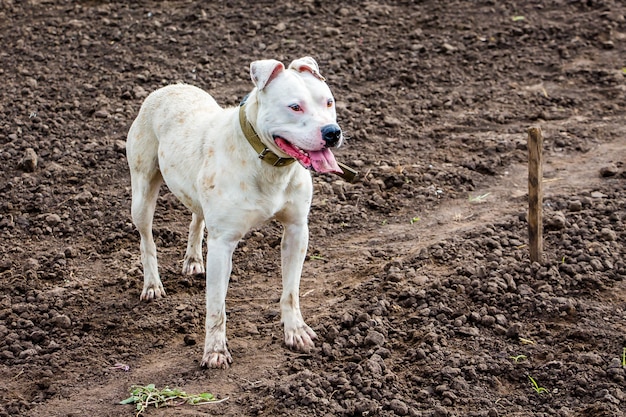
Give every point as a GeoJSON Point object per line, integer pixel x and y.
{"type": "Point", "coordinates": [243, 186]}
{"type": "Point", "coordinates": [291, 301]}
{"type": "Point", "coordinates": [208, 183]}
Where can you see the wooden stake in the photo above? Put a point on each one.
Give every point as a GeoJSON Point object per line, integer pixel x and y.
{"type": "Point", "coordinates": [535, 193]}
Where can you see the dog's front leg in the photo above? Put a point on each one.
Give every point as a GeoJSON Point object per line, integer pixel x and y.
{"type": "Point", "coordinates": [218, 269]}
{"type": "Point", "coordinates": [298, 335]}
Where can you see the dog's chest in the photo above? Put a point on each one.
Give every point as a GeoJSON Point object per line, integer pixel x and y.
{"type": "Point", "coordinates": [253, 196]}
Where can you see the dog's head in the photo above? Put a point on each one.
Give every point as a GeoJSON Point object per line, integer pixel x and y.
{"type": "Point", "coordinates": [295, 112]}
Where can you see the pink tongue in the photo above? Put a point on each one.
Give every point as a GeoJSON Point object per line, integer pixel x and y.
{"type": "Point", "coordinates": [320, 161]}
{"type": "Point", "coordinates": [324, 161]}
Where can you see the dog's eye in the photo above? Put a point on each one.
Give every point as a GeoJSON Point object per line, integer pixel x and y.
{"type": "Point", "coordinates": [330, 102]}
{"type": "Point", "coordinates": [295, 107]}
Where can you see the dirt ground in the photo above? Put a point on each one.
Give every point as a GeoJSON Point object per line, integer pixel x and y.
{"type": "Point", "coordinates": [418, 281]}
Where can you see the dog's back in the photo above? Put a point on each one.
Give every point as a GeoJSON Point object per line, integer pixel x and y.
{"type": "Point", "coordinates": [163, 110]}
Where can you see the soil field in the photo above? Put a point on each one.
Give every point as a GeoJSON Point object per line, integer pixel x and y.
{"type": "Point", "coordinates": [418, 280]}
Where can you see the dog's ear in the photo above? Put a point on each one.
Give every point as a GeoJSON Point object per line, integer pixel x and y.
{"type": "Point", "coordinates": [307, 64]}
{"type": "Point", "coordinates": [264, 71]}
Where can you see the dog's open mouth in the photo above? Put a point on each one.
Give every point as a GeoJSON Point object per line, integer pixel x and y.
{"type": "Point", "coordinates": [320, 161]}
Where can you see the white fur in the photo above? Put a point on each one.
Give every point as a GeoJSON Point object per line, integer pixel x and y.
{"type": "Point", "coordinates": [183, 137]}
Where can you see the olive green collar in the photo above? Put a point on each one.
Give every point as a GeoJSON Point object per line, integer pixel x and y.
{"type": "Point", "coordinates": [253, 139]}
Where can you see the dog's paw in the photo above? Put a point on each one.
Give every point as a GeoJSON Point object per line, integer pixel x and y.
{"type": "Point", "coordinates": [152, 292]}
{"type": "Point", "coordinates": [217, 359]}
{"type": "Point", "coordinates": [192, 266]}
{"type": "Point", "coordinates": [300, 338]}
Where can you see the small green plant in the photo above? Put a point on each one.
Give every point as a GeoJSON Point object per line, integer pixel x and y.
{"type": "Point", "coordinates": [144, 397]}
{"type": "Point", "coordinates": [536, 387]}
{"type": "Point", "coordinates": [317, 258]}
{"type": "Point", "coordinates": [517, 18]}
{"type": "Point", "coordinates": [518, 358]}
{"type": "Point", "coordinates": [624, 357]}
{"type": "Point", "coordinates": [415, 220]}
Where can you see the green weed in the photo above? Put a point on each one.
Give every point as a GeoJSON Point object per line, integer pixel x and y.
{"type": "Point", "coordinates": [518, 358]}
{"type": "Point", "coordinates": [144, 397]}
{"type": "Point", "coordinates": [536, 387]}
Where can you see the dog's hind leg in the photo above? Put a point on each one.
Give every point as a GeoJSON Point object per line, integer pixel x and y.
{"type": "Point", "coordinates": [193, 264]}
{"type": "Point", "coordinates": [145, 189]}
{"type": "Point", "coordinates": [141, 153]}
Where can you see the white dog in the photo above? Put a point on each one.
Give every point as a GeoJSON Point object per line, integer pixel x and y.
{"type": "Point", "coordinates": [233, 168]}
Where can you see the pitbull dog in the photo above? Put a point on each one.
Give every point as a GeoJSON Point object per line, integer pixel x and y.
{"type": "Point", "coordinates": [233, 168]}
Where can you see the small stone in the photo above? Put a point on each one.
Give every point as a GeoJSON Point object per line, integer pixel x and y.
{"type": "Point", "coordinates": [399, 407]}
{"type": "Point", "coordinates": [190, 339]}
{"type": "Point", "coordinates": [365, 407]}
{"type": "Point", "coordinates": [375, 364]}
{"type": "Point", "coordinates": [31, 264]}
{"type": "Point", "coordinates": [391, 121]}
{"type": "Point", "coordinates": [449, 48]}
{"type": "Point", "coordinates": [7, 354]}
{"type": "Point", "coordinates": [609, 171]}
{"type": "Point", "coordinates": [488, 321]}
{"type": "Point", "coordinates": [252, 329]}
{"type": "Point", "coordinates": [280, 27]}
{"type": "Point", "coordinates": [597, 194]}
{"type": "Point", "coordinates": [84, 197]}
{"type": "Point", "coordinates": [513, 331]}
{"type": "Point", "coordinates": [469, 331]}
{"type": "Point", "coordinates": [27, 353]}
{"type": "Point", "coordinates": [608, 235]}
{"type": "Point", "coordinates": [31, 82]}
{"type": "Point", "coordinates": [53, 219]}
{"type": "Point", "coordinates": [374, 338]}
{"type": "Point", "coordinates": [450, 372]}
{"type": "Point", "coordinates": [29, 161]}
{"type": "Point", "coordinates": [119, 146]}
{"type": "Point", "coordinates": [327, 350]}
{"type": "Point", "coordinates": [556, 221]}
{"type": "Point", "coordinates": [61, 321]}
{"type": "Point", "coordinates": [101, 114]}
{"type": "Point", "coordinates": [331, 31]}
{"type": "Point", "coordinates": [140, 92]}
{"type": "Point", "coordinates": [575, 205]}
{"type": "Point", "coordinates": [347, 319]}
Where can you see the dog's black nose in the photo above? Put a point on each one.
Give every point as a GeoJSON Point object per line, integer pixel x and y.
{"type": "Point", "coordinates": [331, 135]}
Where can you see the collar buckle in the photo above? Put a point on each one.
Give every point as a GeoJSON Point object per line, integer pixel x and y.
{"type": "Point", "coordinates": [263, 153]}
